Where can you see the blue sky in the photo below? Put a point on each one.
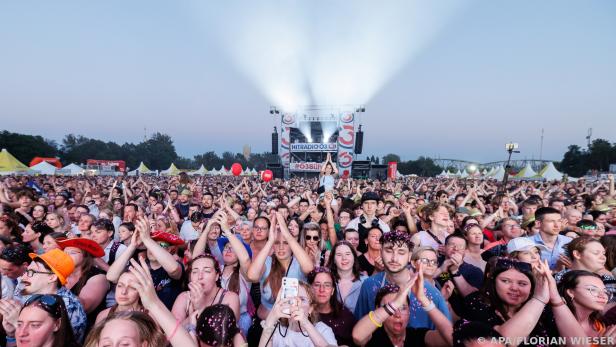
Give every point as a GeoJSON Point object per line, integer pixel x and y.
{"type": "Point", "coordinates": [455, 80]}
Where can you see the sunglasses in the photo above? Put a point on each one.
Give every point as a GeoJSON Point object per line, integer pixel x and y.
{"type": "Point", "coordinates": [504, 264]}
{"type": "Point", "coordinates": [49, 303]}
{"type": "Point", "coordinates": [313, 238]}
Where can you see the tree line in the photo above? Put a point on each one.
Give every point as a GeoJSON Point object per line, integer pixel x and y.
{"type": "Point", "coordinates": [158, 152]}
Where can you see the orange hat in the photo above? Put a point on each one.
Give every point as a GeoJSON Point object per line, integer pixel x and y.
{"type": "Point", "coordinates": [84, 244]}
{"type": "Point", "coordinates": [59, 262]}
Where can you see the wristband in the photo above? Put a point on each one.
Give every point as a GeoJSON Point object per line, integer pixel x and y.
{"type": "Point", "coordinates": [371, 316]}
{"type": "Point", "coordinates": [544, 303]}
{"type": "Point", "coordinates": [10, 339]}
{"type": "Point", "coordinates": [430, 307]}
{"type": "Point", "coordinates": [389, 309]}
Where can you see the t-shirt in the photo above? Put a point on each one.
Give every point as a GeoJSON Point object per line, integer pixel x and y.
{"type": "Point", "coordinates": [166, 287]}
{"type": "Point", "coordinates": [297, 339]}
{"type": "Point", "coordinates": [188, 232]}
{"type": "Point", "coordinates": [477, 309]}
{"type": "Point", "coordinates": [418, 317]}
{"type": "Point", "coordinates": [342, 325]}
{"type": "Point", "coordinates": [414, 338]}
{"type": "Point", "coordinates": [364, 265]}
{"type": "Point", "coordinates": [294, 271]}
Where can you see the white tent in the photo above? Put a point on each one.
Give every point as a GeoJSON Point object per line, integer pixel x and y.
{"type": "Point", "coordinates": [549, 173]}
{"type": "Point", "coordinates": [484, 172]}
{"type": "Point", "coordinates": [499, 173]}
{"type": "Point", "coordinates": [141, 170]}
{"type": "Point", "coordinates": [171, 171]}
{"type": "Point", "coordinates": [526, 172]}
{"type": "Point", "coordinates": [459, 173]}
{"type": "Point", "coordinates": [464, 174]}
{"type": "Point", "coordinates": [201, 171]}
{"type": "Point", "coordinates": [44, 168]}
{"type": "Point", "coordinates": [442, 174]}
{"type": "Point", "coordinates": [71, 170]}
{"type": "Point", "coordinates": [253, 172]}
{"type": "Point", "coordinates": [214, 172]}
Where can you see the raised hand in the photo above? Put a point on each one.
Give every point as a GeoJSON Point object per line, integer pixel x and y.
{"type": "Point", "coordinates": [402, 296]}
{"type": "Point", "coordinates": [9, 309]}
{"type": "Point", "coordinates": [144, 284]}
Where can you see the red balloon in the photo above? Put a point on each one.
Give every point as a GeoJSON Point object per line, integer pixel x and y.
{"type": "Point", "coordinates": [236, 169]}
{"type": "Point", "coordinates": [267, 175]}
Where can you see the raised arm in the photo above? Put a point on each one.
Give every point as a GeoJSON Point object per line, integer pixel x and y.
{"type": "Point", "coordinates": [237, 245]}
{"type": "Point", "coordinates": [201, 244]}
{"type": "Point", "coordinates": [331, 224]}
{"type": "Point", "coordinates": [257, 267]}
{"type": "Point", "coordinates": [176, 334]}
{"type": "Point", "coordinates": [117, 268]}
{"type": "Point", "coordinates": [166, 260]}
{"type": "Point", "coordinates": [305, 262]}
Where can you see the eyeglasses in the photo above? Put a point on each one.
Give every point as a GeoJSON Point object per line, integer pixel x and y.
{"type": "Point", "coordinates": [260, 228]}
{"type": "Point", "coordinates": [596, 292]}
{"type": "Point", "coordinates": [31, 272]}
{"type": "Point", "coordinates": [49, 303]}
{"type": "Point", "coordinates": [456, 247]}
{"type": "Point", "coordinates": [313, 238]}
{"type": "Point", "coordinates": [427, 261]}
{"type": "Point", "coordinates": [326, 285]}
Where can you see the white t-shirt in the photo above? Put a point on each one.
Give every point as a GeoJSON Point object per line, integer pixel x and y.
{"type": "Point", "coordinates": [296, 339]}
{"type": "Point", "coordinates": [188, 232]}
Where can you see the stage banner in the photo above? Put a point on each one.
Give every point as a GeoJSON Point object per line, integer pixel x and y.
{"type": "Point", "coordinates": [305, 167]}
{"type": "Point", "coordinates": [314, 147]}
{"type": "Point", "coordinates": [392, 169]}
{"type": "Point", "coordinates": [346, 143]}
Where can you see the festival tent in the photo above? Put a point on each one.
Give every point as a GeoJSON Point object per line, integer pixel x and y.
{"type": "Point", "coordinates": [44, 168]}
{"type": "Point", "coordinates": [201, 171]}
{"type": "Point", "coordinates": [171, 171]}
{"type": "Point", "coordinates": [499, 173]}
{"type": "Point", "coordinates": [253, 172]}
{"type": "Point", "coordinates": [526, 172]}
{"type": "Point", "coordinates": [141, 170]}
{"type": "Point", "coordinates": [459, 173]}
{"type": "Point", "coordinates": [464, 174]}
{"type": "Point", "coordinates": [442, 174]}
{"type": "Point", "coordinates": [484, 172]}
{"type": "Point", "coordinates": [53, 161]}
{"type": "Point", "coordinates": [10, 165]}
{"type": "Point", "coordinates": [549, 173]}
{"type": "Point", "coordinates": [71, 170]}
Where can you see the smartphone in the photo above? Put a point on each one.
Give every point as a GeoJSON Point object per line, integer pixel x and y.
{"type": "Point", "coordinates": [290, 289]}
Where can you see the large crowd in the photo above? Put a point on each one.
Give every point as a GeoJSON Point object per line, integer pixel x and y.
{"type": "Point", "coordinates": [331, 261]}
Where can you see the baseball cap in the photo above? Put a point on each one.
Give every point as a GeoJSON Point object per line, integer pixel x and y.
{"type": "Point", "coordinates": [84, 244]}
{"type": "Point", "coordinates": [222, 242]}
{"type": "Point", "coordinates": [59, 262]}
{"type": "Point", "coordinates": [463, 210]}
{"type": "Point", "coordinates": [523, 244]}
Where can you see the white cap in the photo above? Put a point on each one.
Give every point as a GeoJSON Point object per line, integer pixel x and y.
{"type": "Point", "coordinates": [523, 244]}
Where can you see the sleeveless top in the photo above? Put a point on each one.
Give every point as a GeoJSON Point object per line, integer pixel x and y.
{"type": "Point", "coordinates": [76, 289]}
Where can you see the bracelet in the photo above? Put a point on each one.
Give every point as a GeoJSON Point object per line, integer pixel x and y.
{"type": "Point", "coordinates": [175, 330]}
{"type": "Point", "coordinates": [191, 328]}
{"type": "Point", "coordinates": [371, 316]}
{"type": "Point", "coordinates": [430, 307]}
{"type": "Point", "coordinates": [544, 303]}
{"type": "Point", "coordinates": [389, 309]}
{"type": "Point", "coordinates": [265, 326]}
{"type": "Point", "coordinates": [10, 339]}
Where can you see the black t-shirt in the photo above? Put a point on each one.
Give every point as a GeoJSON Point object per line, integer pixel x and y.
{"type": "Point", "coordinates": [166, 287]}
{"type": "Point", "coordinates": [415, 337]}
{"type": "Point", "coordinates": [364, 265]}
{"type": "Point", "coordinates": [476, 309]}
{"type": "Point", "coordinates": [342, 325]}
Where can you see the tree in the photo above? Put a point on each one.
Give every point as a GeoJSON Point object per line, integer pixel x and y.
{"type": "Point", "coordinates": [574, 162]}
{"type": "Point", "coordinates": [391, 157]}
{"type": "Point", "coordinates": [601, 154]}
{"type": "Point", "coordinates": [25, 147]}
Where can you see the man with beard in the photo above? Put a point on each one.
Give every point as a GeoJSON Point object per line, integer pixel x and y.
{"type": "Point", "coordinates": [47, 274]}
{"type": "Point", "coordinates": [396, 251]}
{"type": "Point", "coordinates": [207, 203]}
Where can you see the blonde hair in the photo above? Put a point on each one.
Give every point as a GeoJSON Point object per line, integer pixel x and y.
{"type": "Point", "coordinates": [422, 249]}
{"type": "Point", "coordinates": [149, 331]}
